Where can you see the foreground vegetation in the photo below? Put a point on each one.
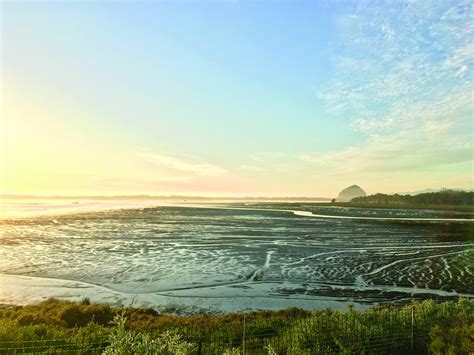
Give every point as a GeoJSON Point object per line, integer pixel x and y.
{"type": "Point", "coordinates": [58, 325]}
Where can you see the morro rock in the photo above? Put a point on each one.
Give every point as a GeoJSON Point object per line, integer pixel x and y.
{"type": "Point", "coordinates": [349, 193]}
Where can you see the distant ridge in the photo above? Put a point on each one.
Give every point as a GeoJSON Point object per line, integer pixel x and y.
{"type": "Point", "coordinates": [432, 190]}
{"type": "Point", "coordinates": [441, 198]}
{"type": "Point", "coordinates": [161, 197]}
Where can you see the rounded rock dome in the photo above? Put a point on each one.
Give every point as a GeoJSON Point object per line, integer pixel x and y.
{"type": "Point", "coordinates": [349, 193]}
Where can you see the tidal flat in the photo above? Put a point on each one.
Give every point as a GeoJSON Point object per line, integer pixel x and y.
{"type": "Point", "coordinates": [234, 257]}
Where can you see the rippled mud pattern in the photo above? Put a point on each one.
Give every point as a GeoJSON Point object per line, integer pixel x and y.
{"type": "Point", "coordinates": [171, 249]}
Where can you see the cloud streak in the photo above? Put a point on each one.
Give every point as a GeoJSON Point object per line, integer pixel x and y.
{"type": "Point", "coordinates": [404, 76]}
{"type": "Point", "coordinates": [399, 54]}
{"type": "Point", "coordinates": [252, 168]}
{"type": "Point", "coordinates": [184, 165]}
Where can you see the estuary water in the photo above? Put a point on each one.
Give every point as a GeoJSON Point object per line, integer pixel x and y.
{"type": "Point", "coordinates": [239, 257]}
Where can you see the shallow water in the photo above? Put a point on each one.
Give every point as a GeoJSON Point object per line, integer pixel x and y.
{"type": "Point", "coordinates": [207, 253]}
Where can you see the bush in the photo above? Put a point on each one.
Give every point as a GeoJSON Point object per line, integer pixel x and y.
{"type": "Point", "coordinates": [79, 315]}
{"type": "Point", "coordinates": [73, 316]}
{"type": "Point", "coordinates": [123, 342]}
{"type": "Point", "coordinates": [437, 327]}
{"type": "Point", "coordinates": [455, 334]}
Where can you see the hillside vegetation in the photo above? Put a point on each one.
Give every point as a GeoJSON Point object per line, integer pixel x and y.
{"type": "Point", "coordinates": [59, 326]}
{"type": "Point", "coordinates": [446, 197]}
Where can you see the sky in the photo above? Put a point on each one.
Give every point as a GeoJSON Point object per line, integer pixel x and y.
{"type": "Point", "coordinates": [235, 98]}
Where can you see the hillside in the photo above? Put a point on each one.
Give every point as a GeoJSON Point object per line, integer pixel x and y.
{"type": "Point", "coordinates": [446, 197]}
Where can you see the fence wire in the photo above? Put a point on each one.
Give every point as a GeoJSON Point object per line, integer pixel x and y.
{"type": "Point", "coordinates": [393, 332]}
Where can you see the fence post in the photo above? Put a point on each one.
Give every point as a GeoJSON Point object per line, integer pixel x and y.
{"type": "Point", "coordinates": [199, 351]}
{"type": "Point", "coordinates": [243, 340]}
{"type": "Point", "coordinates": [412, 329]}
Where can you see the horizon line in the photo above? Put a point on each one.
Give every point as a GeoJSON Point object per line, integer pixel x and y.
{"type": "Point", "coordinates": [146, 196]}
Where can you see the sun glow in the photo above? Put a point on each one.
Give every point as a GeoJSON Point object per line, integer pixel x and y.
{"type": "Point", "coordinates": [346, 96]}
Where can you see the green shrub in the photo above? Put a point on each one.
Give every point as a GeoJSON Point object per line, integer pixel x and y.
{"type": "Point", "coordinates": [79, 315]}
{"type": "Point", "coordinates": [73, 316]}
{"type": "Point", "coordinates": [436, 327]}
{"type": "Point", "coordinates": [123, 342]}
{"type": "Point", "coordinates": [454, 334]}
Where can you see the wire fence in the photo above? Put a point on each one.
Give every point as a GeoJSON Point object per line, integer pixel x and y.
{"type": "Point", "coordinates": [398, 331]}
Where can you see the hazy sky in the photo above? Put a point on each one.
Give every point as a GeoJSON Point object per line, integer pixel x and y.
{"type": "Point", "coordinates": [236, 97]}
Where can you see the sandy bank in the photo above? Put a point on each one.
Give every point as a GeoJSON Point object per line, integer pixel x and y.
{"type": "Point", "coordinates": [22, 290]}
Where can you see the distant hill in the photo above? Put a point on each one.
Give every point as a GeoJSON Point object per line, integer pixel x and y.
{"type": "Point", "coordinates": [349, 193]}
{"type": "Point", "coordinates": [431, 190]}
{"type": "Point", "coordinates": [445, 197]}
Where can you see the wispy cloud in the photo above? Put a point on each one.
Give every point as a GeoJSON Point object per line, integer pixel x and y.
{"type": "Point", "coordinates": [266, 157]}
{"type": "Point", "coordinates": [397, 56]}
{"type": "Point", "coordinates": [252, 168]}
{"type": "Point", "coordinates": [390, 154]}
{"type": "Point", "coordinates": [404, 77]}
{"type": "Point", "coordinates": [181, 164]}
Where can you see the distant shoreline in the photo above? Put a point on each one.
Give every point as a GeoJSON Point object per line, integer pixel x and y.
{"type": "Point", "coordinates": [26, 208]}
{"type": "Point", "coordinates": [166, 198]}
{"type": "Point", "coordinates": [42, 211]}
{"type": "Point", "coordinates": [458, 208]}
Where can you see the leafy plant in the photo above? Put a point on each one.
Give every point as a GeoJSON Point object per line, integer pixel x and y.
{"type": "Point", "coordinates": [123, 342]}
